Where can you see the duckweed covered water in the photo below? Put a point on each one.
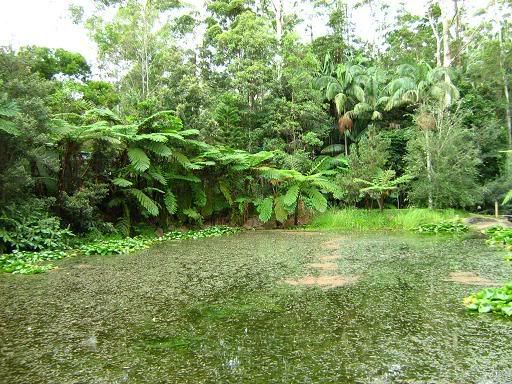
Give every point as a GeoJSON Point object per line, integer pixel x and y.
{"type": "Point", "coordinates": [217, 311]}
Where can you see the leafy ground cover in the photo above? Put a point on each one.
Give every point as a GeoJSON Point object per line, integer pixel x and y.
{"type": "Point", "coordinates": [24, 262]}
{"type": "Point", "coordinates": [219, 310]}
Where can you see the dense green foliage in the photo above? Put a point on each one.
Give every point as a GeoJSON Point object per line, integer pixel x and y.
{"type": "Point", "coordinates": [232, 116]}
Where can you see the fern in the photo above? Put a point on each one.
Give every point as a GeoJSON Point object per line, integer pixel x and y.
{"type": "Point", "coordinates": [146, 202]}
{"type": "Point", "coordinates": [159, 149]}
{"type": "Point", "coordinates": [280, 209]}
{"type": "Point", "coordinates": [139, 159]}
{"type": "Point", "coordinates": [170, 202]}
{"type": "Point", "coordinates": [192, 214]}
{"type": "Point", "coordinates": [156, 175]}
{"type": "Point", "coordinates": [226, 192]}
{"type": "Point", "coordinates": [290, 198]}
{"type": "Point", "coordinates": [120, 182]}
{"type": "Point", "coordinates": [317, 199]}
{"type": "Point", "coordinates": [264, 209]}
{"type": "Point", "coordinates": [199, 195]}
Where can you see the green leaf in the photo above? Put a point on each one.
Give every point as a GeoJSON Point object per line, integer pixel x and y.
{"type": "Point", "coordinates": [139, 159]}
{"type": "Point", "coordinates": [9, 127]}
{"type": "Point", "coordinates": [265, 209]}
{"type": "Point", "coordinates": [507, 310]}
{"type": "Point", "coordinates": [317, 199]}
{"type": "Point", "coordinates": [159, 149]}
{"type": "Point", "coordinates": [280, 209]}
{"type": "Point", "coordinates": [226, 192]}
{"type": "Point", "coordinates": [291, 195]}
{"type": "Point", "coordinates": [170, 202]}
{"type": "Point", "coordinates": [146, 202]}
{"type": "Point", "coordinates": [485, 308]}
{"type": "Point", "coordinates": [120, 182]}
{"type": "Point", "coordinates": [193, 214]}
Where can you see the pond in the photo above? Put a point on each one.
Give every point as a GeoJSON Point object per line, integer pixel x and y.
{"type": "Point", "coordinates": [260, 307]}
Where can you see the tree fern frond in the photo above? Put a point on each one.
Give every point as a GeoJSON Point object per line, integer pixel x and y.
{"type": "Point", "coordinates": [120, 182]}
{"type": "Point", "coordinates": [145, 201]}
{"type": "Point", "coordinates": [192, 214]}
{"type": "Point", "coordinates": [290, 198]}
{"type": "Point", "coordinates": [317, 199]}
{"type": "Point", "coordinates": [9, 127]}
{"type": "Point", "coordinates": [139, 159]}
{"type": "Point", "coordinates": [224, 188]}
{"type": "Point", "coordinates": [264, 209]}
{"type": "Point", "coordinates": [280, 209]}
{"type": "Point", "coordinates": [170, 202]}
{"type": "Point", "coordinates": [159, 149]}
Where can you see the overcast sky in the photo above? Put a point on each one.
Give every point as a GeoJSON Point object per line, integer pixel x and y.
{"type": "Point", "coordinates": [47, 23]}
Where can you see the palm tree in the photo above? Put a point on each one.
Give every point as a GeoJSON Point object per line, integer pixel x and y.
{"type": "Point", "coordinates": [419, 84]}
{"type": "Point", "coordinates": [344, 86]}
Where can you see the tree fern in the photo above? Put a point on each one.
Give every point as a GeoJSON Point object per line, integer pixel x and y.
{"type": "Point", "coordinates": [317, 199]}
{"type": "Point", "coordinates": [170, 202]}
{"type": "Point", "coordinates": [280, 209]}
{"type": "Point", "coordinates": [159, 149]}
{"type": "Point", "coordinates": [120, 182]}
{"type": "Point", "coordinates": [145, 201]}
{"type": "Point", "coordinates": [290, 198]}
{"type": "Point", "coordinates": [224, 189]}
{"type": "Point", "coordinates": [264, 209]}
{"type": "Point", "coordinates": [138, 159]}
{"type": "Point", "coordinates": [192, 214]}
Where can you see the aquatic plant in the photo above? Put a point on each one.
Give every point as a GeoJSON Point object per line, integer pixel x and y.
{"type": "Point", "coordinates": [442, 227]}
{"type": "Point", "coordinates": [498, 300]}
{"type": "Point", "coordinates": [30, 262]}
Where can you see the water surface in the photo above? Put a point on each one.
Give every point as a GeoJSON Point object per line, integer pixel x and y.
{"type": "Point", "coordinates": [217, 311]}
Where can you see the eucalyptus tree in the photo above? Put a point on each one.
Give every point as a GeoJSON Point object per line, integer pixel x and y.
{"type": "Point", "coordinates": [134, 45]}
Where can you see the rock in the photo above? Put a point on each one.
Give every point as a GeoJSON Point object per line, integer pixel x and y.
{"type": "Point", "coordinates": [483, 223]}
{"type": "Point", "coordinates": [253, 223]}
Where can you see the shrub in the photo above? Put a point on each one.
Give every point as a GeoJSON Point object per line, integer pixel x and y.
{"type": "Point", "coordinates": [30, 228]}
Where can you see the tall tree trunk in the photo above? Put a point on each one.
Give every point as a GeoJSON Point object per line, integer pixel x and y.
{"type": "Point", "coordinates": [506, 85]}
{"type": "Point", "coordinates": [445, 15]}
{"type": "Point", "coordinates": [279, 19]}
{"type": "Point", "coordinates": [430, 169]}
{"type": "Point", "coordinates": [437, 36]}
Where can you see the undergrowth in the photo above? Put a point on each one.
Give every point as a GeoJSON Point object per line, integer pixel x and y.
{"type": "Point", "coordinates": [22, 262]}
{"type": "Point", "coordinates": [389, 219]}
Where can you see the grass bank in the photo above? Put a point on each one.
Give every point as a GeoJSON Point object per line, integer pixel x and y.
{"type": "Point", "coordinates": [389, 219]}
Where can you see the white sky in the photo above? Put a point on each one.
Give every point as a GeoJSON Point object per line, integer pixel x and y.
{"type": "Point", "coordinates": [47, 23]}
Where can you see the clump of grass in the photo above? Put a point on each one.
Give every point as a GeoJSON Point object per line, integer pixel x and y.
{"type": "Point", "coordinates": [388, 219]}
